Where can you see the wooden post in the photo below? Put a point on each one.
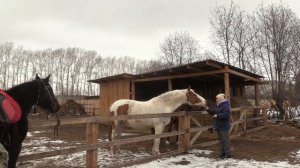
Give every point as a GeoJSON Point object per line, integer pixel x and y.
{"type": "Point", "coordinates": [132, 90]}
{"type": "Point", "coordinates": [227, 83]}
{"type": "Point", "coordinates": [265, 115]}
{"type": "Point", "coordinates": [257, 102]}
{"type": "Point", "coordinates": [257, 95]}
{"type": "Point", "coordinates": [91, 138]}
{"type": "Point", "coordinates": [184, 139]}
{"type": "Point", "coordinates": [245, 118]}
{"type": "Point", "coordinates": [170, 86]}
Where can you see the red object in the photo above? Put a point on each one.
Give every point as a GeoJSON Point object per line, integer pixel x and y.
{"type": "Point", "coordinates": [10, 111]}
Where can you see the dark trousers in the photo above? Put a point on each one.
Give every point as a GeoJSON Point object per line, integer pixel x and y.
{"type": "Point", "coordinates": [224, 142]}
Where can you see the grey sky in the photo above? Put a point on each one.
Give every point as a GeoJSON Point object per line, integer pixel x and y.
{"type": "Point", "coordinates": [112, 27]}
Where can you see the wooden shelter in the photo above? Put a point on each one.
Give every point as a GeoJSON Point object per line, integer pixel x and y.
{"type": "Point", "coordinates": [207, 78]}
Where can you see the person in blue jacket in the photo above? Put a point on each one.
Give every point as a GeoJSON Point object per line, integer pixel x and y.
{"type": "Point", "coordinates": [221, 114]}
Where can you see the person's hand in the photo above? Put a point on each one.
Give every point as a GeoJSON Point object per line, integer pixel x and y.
{"type": "Point", "coordinates": [215, 116]}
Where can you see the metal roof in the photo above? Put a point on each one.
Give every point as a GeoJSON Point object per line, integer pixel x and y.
{"type": "Point", "coordinates": [205, 65]}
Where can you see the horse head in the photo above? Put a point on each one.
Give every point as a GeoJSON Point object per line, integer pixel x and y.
{"type": "Point", "coordinates": [46, 98]}
{"type": "Point", "coordinates": [193, 98]}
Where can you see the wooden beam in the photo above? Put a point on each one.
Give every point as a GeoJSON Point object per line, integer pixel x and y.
{"type": "Point", "coordinates": [244, 75]}
{"type": "Point", "coordinates": [180, 76]}
{"type": "Point", "coordinates": [200, 70]}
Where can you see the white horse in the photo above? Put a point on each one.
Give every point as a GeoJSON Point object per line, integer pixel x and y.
{"type": "Point", "coordinates": [164, 103]}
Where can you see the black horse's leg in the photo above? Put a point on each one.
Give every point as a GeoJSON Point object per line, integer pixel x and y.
{"type": "Point", "coordinates": [14, 151]}
{"type": "Point", "coordinates": [14, 146]}
{"type": "Point", "coordinates": [18, 132]}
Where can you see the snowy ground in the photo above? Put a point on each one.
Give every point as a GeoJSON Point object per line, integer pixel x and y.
{"type": "Point", "coordinates": [194, 158]}
{"type": "Point", "coordinates": [197, 158]}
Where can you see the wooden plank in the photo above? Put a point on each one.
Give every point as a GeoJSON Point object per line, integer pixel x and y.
{"type": "Point", "coordinates": [197, 129]}
{"type": "Point", "coordinates": [180, 76]}
{"type": "Point", "coordinates": [256, 129]}
{"type": "Point", "coordinates": [196, 121]}
{"type": "Point", "coordinates": [69, 121]}
{"type": "Point", "coordinates": [84, 120]}
{"type": "Point", "coordinates": [205, 144]}
{"type": "Point", "coordinates": [95, 146]}
{"type": "Point", "coordinates": [196, 136]}
{"type": "Point", "coordinates": [210, 143]}
{"type": "Point", "coordinates": [67, 151]}
{"type": "Point", "coordinates": [91, 138]}
{"type": "Point", "coordinates": [194, 113]}
{"type": "Point", "coordinates": [236, 109]}
{"type": "Point", "coordinates": [144, 116]}
{"type": "Point", "coordinates": [255, 118]}
{"type": "Point", "coordinates": [146, 138]}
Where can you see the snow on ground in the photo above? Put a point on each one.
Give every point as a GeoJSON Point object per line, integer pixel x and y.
{"type": "Point", "coordinates": [194, 158]}
{"type": "Point", "coordinates": [197, 159]}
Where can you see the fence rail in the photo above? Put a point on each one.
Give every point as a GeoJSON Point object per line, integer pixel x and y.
{"type": "Point", "coordinates": [185, 129]}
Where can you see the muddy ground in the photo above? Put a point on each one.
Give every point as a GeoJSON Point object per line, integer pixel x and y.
{"type": "Point", "coordinates": [274, 143]}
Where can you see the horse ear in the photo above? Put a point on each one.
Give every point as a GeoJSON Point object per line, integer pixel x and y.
{"type": "Point", "coordinates": [189, 88]}
{"type": "Point", "coordinates": [47, 78]}
{"type": "Point", "coordinates": [37, 76]}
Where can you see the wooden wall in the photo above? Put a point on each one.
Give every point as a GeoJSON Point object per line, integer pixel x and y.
{"type": "Point", "coordinates": [112, 91]}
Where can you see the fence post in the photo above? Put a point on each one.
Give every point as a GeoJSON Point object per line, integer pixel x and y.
{"type": "Point", "coordinates": [91, 138]}
{"type": "Point", "coordinates": [184, 124]}
{"type": "Point", "coordinates": [245, 119]}
{"type": "Point", "coordinates": [265, 115]}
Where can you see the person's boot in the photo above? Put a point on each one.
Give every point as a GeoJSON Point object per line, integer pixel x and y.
{"type": "Point", "coordinates": [225, 156]}
{"type": "Point", "coordinates": [222, 155]}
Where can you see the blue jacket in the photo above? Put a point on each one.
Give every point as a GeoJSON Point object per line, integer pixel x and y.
{"type": "Point", "coordinates": [223, 112]}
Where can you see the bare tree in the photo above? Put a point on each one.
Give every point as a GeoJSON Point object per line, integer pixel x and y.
{"type": "Point", "coordinates": [222, 24]}
{"type": "Point", "coordinates": [275, 37]}
{"type": "Point", "coordinates": [179, 48]}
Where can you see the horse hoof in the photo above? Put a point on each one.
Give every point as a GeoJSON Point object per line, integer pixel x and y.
{"type": "Point", "coordinates": [155, 153]}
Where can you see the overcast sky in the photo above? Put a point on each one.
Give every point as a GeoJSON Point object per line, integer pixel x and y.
{"type": "Point", "coordinates": [110, 27]}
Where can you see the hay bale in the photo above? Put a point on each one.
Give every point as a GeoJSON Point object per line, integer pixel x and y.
{"type": "Point", "coordinates": [71, 108]}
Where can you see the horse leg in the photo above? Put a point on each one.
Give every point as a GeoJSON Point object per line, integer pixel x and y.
{"type": "Point", "coordinates": [113, 136]}
{"type": "Point", "coordinates": [159, 128]}
{"type": "Point", "coordinates": [13, 152]}
{"type": "Point", "coordinates": [120, 129]}
{"type": "Point", "coordinates": [109, 132]}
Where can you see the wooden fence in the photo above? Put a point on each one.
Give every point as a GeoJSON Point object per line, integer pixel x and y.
{"type": "Point", "coordinates": [188, 126]}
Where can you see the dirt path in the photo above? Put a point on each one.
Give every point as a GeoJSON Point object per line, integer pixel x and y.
{"type": "Point", "coordinates": [275, 143]}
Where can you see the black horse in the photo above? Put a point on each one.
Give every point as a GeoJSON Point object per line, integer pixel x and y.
{"type": "Point", "coordinates": [34, 93]}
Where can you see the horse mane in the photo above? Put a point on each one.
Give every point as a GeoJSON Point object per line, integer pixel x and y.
{"type": "Point", "coordinates": [169, 96]}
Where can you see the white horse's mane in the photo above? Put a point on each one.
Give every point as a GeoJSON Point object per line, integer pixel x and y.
{"type": "Point", "coordinates": [169, 96]}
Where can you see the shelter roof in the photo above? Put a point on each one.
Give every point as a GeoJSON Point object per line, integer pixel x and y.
{"type": "Point", "coordinates": [195, 67]}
